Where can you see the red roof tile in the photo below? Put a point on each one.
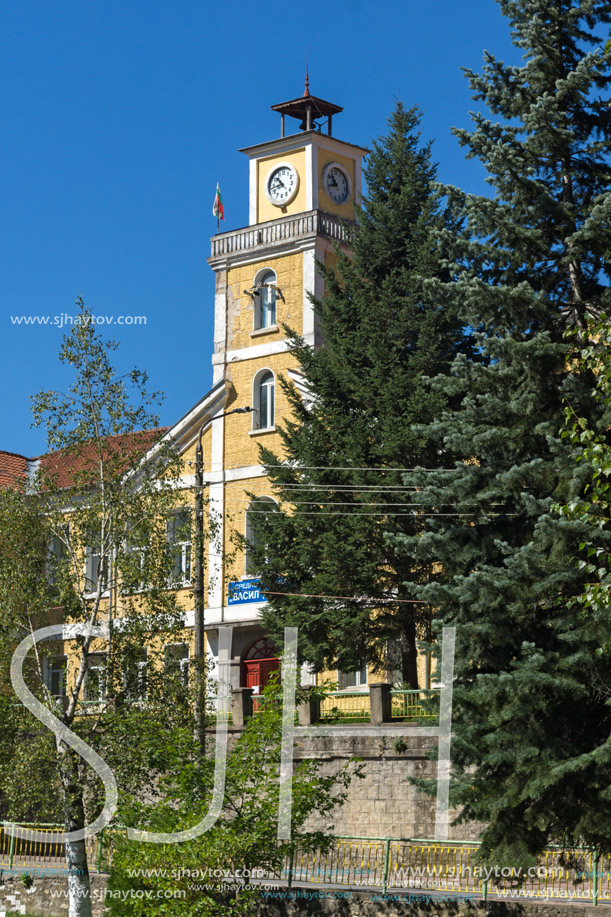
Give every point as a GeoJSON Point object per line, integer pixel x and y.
{"type": "Point", "coordinates": [13, 470]}
{"type": "Point", "coordinates": [63, 464]}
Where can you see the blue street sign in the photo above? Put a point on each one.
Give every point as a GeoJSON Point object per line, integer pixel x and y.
{"type": "Point", "coordinates": [244, 591]}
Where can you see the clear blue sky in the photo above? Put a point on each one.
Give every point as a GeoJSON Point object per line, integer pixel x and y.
{"type": "Point", "coordinates": [119, 117]}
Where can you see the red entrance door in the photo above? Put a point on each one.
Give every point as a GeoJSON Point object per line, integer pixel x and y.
{"type": "Point", "coordinates": [260, 661]}
{"type": "Point", "coordinates": [258, 672]}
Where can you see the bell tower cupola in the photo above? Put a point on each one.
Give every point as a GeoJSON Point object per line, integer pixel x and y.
{"type": "Point", "coordinates": [309, 111]}
{"type": "Point", "coordinates": [309, 170]}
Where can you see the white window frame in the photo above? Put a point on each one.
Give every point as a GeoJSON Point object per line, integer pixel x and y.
{"type": "Point", "coordinates": [268, 422]}
{"type": "Point", "coordinates": [185, 546]}
{"type": "Point", "coordinates": [55, 666]}
{"type": "Point", "coordinates": [129, 548]}
{"type": "Point", "coordinates": [91, 577]}
{"type": "Point", "coordinates": [183, 661]}
{"type": "Point", "coordinates": [57, 551]}
{"type": "Point", "coordinates": [360, 677]}
{"type": "Point", "coordinates": [100, 669]}
{"type": "Point", "coordinates": [141, 679]}
{"type": "Point", "coordinates": [266, 279]}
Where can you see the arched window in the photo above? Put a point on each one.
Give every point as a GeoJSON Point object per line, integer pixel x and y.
{"type": "Point", "coordinates": [263, 400]}
{"type": "Point", "coordinates": [254, 512]}
{"type": "Point", "coordinates": [265, 300]}
{"type": "Point", "coordinates": [261, 649]}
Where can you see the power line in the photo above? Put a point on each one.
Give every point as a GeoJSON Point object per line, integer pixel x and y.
{"type": "Point", "coordinates": [347, 598]}
{"type": "Point", "coordinates": [259, 501]}
{"type": "Point", "coordinates": [354, 468]}
{"type": "Point", "coordinates": [340, 503]}
{"type": "Point", "coordinates": [347, 488]}
{"type": "Point", "coordinates": [338, 488]}
{"type": "Point", "coordinates": [414, 515]}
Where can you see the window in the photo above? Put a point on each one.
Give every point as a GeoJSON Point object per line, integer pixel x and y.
{"type": "Point", "coordinates": [265, 300]}
{"type": "Point", "coordinates": [178, 530]}
{"type": "Point", "coordinates": [254, 512]}
{"type": "Point", "coordinates": [134, 673]}
{"type": "Point", "coordinates": [356, 679]}
{"type": "Point", "coordinates": [55, 675]}
{"type": "Point", "coordinates": [95, 679]}
{"type": "Point", "coordinates": [176, 662]}
{"type": "Point", "coordinates": [264, 408]}
{"type": "Point", "coordinates": [131, 566]}
{"type": "Point", "coordinates": [56, 556]}
{"type": "Point", "coordinates": [96, 570]}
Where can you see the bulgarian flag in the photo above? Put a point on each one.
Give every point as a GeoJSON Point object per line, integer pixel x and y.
{"type": "Point", "coordinates": [217, 208]}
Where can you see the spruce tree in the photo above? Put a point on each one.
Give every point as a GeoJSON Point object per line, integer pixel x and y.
{"type": "Point", "coordinates": [531, 753]}
{"type": "Point", "coordinates": [351, 435]}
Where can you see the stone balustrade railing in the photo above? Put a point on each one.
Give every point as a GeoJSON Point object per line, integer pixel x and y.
{"type": "Point", "coordinates": [277, 232]}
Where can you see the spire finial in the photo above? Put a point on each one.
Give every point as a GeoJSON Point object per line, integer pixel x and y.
{"type": "Point", "coordinates": [306, 91]}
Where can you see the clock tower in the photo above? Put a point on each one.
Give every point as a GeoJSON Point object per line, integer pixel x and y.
{"type": "Point", "coordinates": [302, 190]}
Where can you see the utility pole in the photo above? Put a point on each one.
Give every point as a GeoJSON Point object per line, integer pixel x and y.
{"type": "Point", "coordinates": [198, 589]}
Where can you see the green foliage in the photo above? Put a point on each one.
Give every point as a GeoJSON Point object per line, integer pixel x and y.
{"type": "Point", "coordinates": [531, 718]}
{"type": "Point", "coordinates": [88, 543]}
{"type": "Point", "coordinates": [381, 335]}
{"type": "Point", "coordinates": [242, 841]}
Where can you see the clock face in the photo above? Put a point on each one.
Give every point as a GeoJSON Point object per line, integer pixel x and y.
{"type": "Point", "coordinates": [282, 184]}
{"type": "Point", "coordinates": [336, 183]}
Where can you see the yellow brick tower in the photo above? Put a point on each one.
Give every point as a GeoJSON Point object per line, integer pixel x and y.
{"type": "Point", "coordinates": [301, 187]}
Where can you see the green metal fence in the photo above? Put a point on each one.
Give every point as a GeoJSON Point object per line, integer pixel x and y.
{"type": "Point", "coordinates": [406, 706]}
{"type": "Point", "coordinates": [409, 865]}
{"type": "Point", "coordinates": [351, 706]}
{"type": "Point", "coordinates": [415, 706]}
{"type": "Point", "coordinates": [19, 853]}
{"type": "Point", "coordinates": [412, 865]}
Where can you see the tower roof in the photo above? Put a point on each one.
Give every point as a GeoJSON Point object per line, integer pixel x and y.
{"type": "Point", "coordinates": [307, 108]}
{"type": "Point", "coordinates": [297, 108]}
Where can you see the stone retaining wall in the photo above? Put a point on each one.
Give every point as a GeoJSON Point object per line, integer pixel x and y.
{"type": "Point", "coordinates": [384, 803]}
{"type": "Point", "coordinates": [39, 899]}
{"type": "Point", "coordinates": [363, 905]}
{"type": "Point", "coordinates": [48, 895]}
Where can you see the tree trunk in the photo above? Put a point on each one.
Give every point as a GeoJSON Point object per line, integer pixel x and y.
{"type": "Point", "coordinates": [409, 653]}
{"type": "Point", "coordinates": [79, 886]}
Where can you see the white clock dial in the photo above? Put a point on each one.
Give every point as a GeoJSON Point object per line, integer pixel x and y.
{"type": "Point", "coordinates": [336, 183]}
{"type": "Point", "coordinates": [282, 184]}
